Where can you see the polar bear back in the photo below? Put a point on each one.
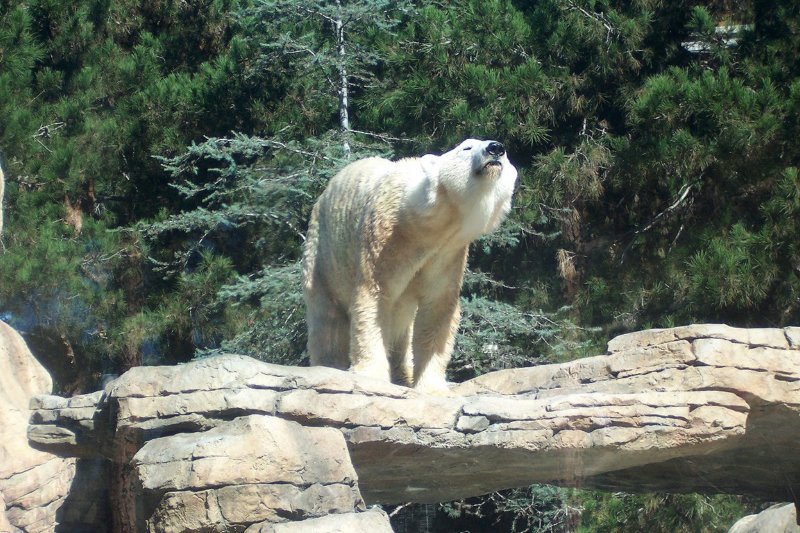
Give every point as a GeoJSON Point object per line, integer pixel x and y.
{"type": "Point", "coordinates": [340, 214]}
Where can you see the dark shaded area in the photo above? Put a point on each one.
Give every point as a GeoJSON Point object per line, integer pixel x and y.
{"type": "Point", "coordinates": [87, 508]}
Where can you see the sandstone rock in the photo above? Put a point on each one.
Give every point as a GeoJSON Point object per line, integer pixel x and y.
{"type": "Point", "coordinates": [685, 409]}
{"type": "Point", "coordinates": [245, 450]}
{"type": "Point", "coordinates": [769, 337]}
{"type": "Point", "coordinates": [5, 525]}
{"type": "Point", "coordinates": [780, 518]}
{"type": "Point", "coordinates": [33, 484]}
{"type": "Point", "coordinates": [373, 521]}
{"type": "Point", "coordinates": [793, 336]}
{"type": "Point", "coordinates": [362, 410]}
{"type": "Point", "coordinates": [233, 507]}
{"type": "Point", "coordinates": [251, 469]}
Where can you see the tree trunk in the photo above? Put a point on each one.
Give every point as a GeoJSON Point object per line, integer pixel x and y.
{"type": "Point", "coordinates": [2, 190]}
{"type": "Point", "coordinates": [344, 113]}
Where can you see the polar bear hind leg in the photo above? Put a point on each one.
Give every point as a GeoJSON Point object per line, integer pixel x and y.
{"type": "Point", "coordinates": [328, 332]}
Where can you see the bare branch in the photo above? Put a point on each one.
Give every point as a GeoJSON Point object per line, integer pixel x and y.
{"type": "Point", "coordinates": [611, 31]}
{"type": "Point", "coordinates": [679, 201]}
{"type": "Point", "coordinates": [398, 509]}
{"type": "Point", "coordinates": [682, 195]}
{"type": "Point", "coordinates": [44, 133]}
{"type": "Point", "coordinates": [382, 137]}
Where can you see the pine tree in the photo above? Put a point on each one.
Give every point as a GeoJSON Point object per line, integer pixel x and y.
{"type": "Point", "coordinates": [326, 48]}
{"type": "Point", "coordinates": [251, 198]}
{"type": "Point", "coordinates": [247, 199]}
{"type": "Point", "coordinates": [86, 101]}
{"type": "Point", "coordinates": [20, 54]}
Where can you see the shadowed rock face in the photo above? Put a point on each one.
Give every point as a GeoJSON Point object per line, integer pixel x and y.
{"type": "Point", "coordinates": [232, 442]}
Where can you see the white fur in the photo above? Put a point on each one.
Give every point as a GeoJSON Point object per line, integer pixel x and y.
{"type": "Point", "coordinates": [385, 258]}
{"type": "Point", "coordinates": [483, 202]}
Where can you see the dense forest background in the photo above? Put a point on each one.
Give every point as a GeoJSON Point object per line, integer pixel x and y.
{"type": "Point", "coordinates": [161, 159]}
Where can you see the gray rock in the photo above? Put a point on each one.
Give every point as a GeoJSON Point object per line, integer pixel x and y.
{"type": "Point", "coordinates": [677, 410]}
{"type": "Point", "coordinates": [33, 484]}
{"type": "Point", "coordinates": [373, 521]}
{"type": "Point", "coordinates": [781, 518]}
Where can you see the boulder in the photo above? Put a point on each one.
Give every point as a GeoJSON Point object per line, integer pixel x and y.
{"type": "Point", "coordinates": [33, 484]}
{"type": "Point", "coordinates": [682, 409]}
{"type": "Point", "coordinates": [781, 518]}
{"type": "Point", "coordinates": [251, 469]}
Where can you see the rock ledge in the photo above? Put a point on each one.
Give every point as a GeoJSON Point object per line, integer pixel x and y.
{"type": "Point", "coordinates": [705, 408]}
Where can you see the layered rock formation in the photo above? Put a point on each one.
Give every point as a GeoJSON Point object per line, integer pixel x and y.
{"type": "Point", "coordinates": [33, 484]}
{"type": "Point", "coordinates": [230, 443]}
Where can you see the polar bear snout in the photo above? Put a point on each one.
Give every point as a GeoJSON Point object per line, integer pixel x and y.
{"type": "Point", "coordinates": [495, 149]}
{"type": "Point", "coordinates": [490, 156]}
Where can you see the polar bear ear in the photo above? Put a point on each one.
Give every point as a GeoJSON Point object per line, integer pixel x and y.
{"type": "Point", "coordinates": [430, 164]}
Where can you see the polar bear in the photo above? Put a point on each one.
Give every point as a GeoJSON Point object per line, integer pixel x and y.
{"type": "Point", "coordinates": [385, 255]}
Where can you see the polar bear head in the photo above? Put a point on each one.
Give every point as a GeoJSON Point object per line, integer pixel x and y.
{"type": "Point", "coordinates": [471, 165]}
{"type": "Point", "coordinates": [478, 177]}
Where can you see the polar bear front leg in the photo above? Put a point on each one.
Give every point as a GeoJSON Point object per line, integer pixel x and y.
{"type": "Point", "coordinates": [434, 335]}
{"type": "Point", "coordinates": [368, 355]}
{"type": "Point", "coordinates": [436, 324]}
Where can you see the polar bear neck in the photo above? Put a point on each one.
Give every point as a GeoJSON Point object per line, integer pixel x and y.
{"type": "Point", "coordinates": [460, 207]}
{"type": "Point", "coordinates": [482, 205]}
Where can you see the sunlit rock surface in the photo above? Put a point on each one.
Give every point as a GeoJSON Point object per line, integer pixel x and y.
{"type": "Point", "coordinates": [33, 485]}
{"type": "Point", "coordinates": [230, 442]}
{"type": "Point", "coordinates": [781, 518]}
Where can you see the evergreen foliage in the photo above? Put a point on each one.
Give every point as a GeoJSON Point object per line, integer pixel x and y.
{"type": "Point", "coordinates": [660, 513]}
{"type": "Point", "coordinates": [247, 200]}
{"type": "Point", "coordinates": [161, 160]}
{"type": "Point", "coordinates": [534, 508]}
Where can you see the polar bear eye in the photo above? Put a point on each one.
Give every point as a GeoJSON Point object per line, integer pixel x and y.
{"type": "Point", "coordinates": [466, 148]}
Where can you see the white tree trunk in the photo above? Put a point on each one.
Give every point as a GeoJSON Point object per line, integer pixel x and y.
{"type": "Point", "coordinates": [344, 113]}
{"type": "Point", "coordinates": [2, 190]}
